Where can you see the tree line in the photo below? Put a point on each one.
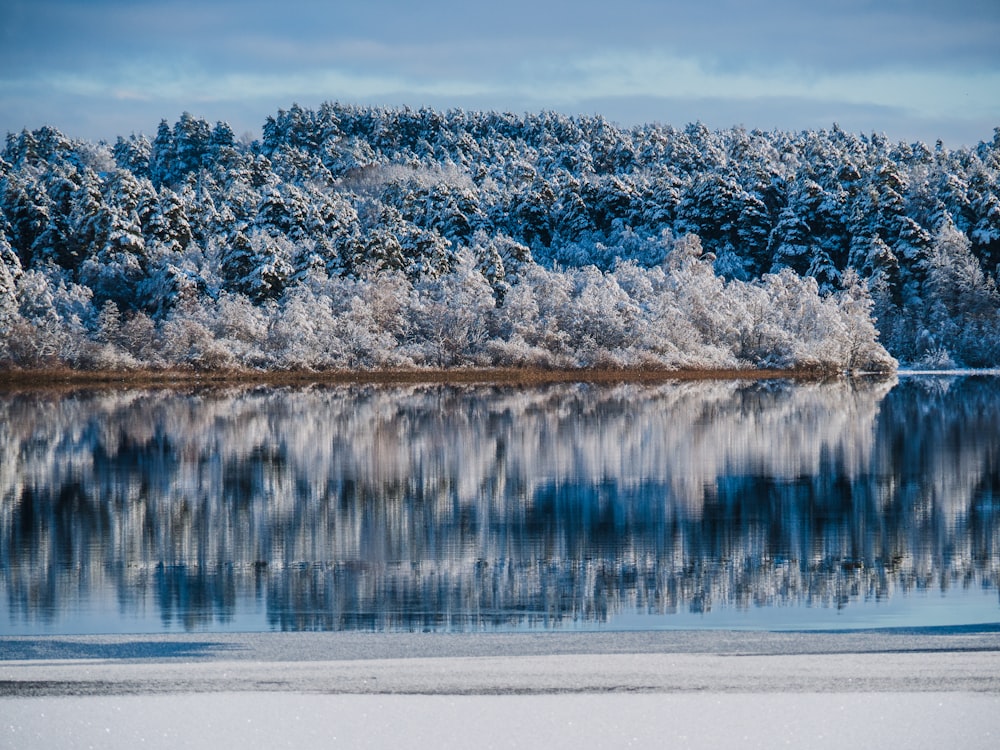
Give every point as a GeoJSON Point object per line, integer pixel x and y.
{"type": "Point", "coordinates": [355, 236]}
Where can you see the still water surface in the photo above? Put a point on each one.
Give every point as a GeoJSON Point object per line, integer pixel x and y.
{"type": "Point", "coordinates": [847, 504]}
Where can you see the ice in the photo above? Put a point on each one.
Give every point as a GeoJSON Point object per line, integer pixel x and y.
{"type": "Point", "coordinates": [910, 689]}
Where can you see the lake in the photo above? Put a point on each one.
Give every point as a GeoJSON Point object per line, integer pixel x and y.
{"type": "Point", "coordinates": [860, 503]}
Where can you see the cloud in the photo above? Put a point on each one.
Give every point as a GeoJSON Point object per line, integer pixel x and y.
{"type": "Point", "coordinates": [912, 58]}
{"type": "Point", "coordinates": [924, 93]}
{"type": "Point", "coordinates": [549, 81]}
{"type": "Point", "coordinates": [928, 92]}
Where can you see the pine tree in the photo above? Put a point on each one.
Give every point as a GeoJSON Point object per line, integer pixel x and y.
{"type": "Point", "coordinates": [25, 207]}
{"type": "Point", "coordinates": [162, 160]}
{"type": "Point", "coordinates": [790, 243]}
{"type": "Point", "coordinates": [134, 154]}
{"type": "Point", "coordinates": [192, 144]}
{"type": "Point", "coordinates": [258, 265]}
{"type": "Point", "coordinates": [985, 235]}
{"type": "Point", "coordinates": [167, 223]}
{"type": "Point", "coordinates": [115, 260]}
{"type": "Point", "coordinates": [10, 272]}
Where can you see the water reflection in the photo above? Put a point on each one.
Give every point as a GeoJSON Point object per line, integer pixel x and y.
{"type": "Point", "coordinates": [491, 507]}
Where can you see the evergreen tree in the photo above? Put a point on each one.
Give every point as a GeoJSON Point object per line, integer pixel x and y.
{"type": "Point", "coordinates": [116, 259]}
{"type": "Point", "coordinates": [163, 156]}
{"type": "Point", "coordinates": [26, 212]}
{"type": "Point", "coordinates": [134, 154]}
{"type": "Point", "coordinates": [790, 243]}
{"type": "Point", "coordinates": [192, 144]}
{"type": "Point", "coordinates": [985, 235]}
{"type": "Point", "coordinates": [10, 272]}
{"type": "Point", "coordinates": [964, 302]}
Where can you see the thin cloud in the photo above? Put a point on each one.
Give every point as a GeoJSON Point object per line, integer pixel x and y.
{"type": "Point", "coordinates": [926, 93]}
{"type": "Point", "coordinates": [914, 58]}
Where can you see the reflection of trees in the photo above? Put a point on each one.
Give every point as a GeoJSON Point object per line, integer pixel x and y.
{"type": "Point", "coordinates": [431, 506]}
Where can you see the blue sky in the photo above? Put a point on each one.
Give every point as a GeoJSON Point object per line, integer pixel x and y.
{"type": "Point", "coordinates": [914, 70]}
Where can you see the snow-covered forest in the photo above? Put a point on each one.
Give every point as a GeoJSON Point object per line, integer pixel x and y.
{"type": "Point", "coordinates": [362, 237]}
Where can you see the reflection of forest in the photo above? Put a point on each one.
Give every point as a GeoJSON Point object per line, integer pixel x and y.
{"type": "Point", "coordinates": [433, 506]}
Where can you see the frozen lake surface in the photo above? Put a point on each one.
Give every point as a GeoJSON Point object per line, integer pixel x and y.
{"type": "Point", "coordinates": [700, 689]}
{"type": "Point", "coordinates": [860, 721]}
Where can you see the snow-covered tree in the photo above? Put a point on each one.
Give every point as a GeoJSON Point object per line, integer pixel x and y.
{"type": "Point", "coordinates": [570, 221]}
{"type": "Point", "coordinates": [453, 314]}
{"type": "Point", "coordinates": [10, 272]}
{"type": "Point", "coordinates": [963, 301]}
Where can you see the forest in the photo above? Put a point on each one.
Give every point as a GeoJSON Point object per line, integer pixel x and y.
{"type": "Point", "coordinates": [362, 238]}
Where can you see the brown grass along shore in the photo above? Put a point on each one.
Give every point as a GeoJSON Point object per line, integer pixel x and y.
{"type": "Point", "coordinates": [55, 377]}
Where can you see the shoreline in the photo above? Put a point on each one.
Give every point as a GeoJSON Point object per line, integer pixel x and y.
{"type": "Point", "coordinates": [472, 376]}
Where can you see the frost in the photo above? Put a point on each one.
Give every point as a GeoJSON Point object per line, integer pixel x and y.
{"type": "Point", "coordinates": [563, 241]}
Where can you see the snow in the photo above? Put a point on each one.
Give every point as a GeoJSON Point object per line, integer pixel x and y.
{"type": "Point", "coordinates": [907, 372]}
{"type": "Point", "coordinates": [300, 721]}
{"type": "Point", "coordinates": [939, 688]}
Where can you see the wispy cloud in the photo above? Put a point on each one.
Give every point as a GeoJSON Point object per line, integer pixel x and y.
{"type": "Point", "coordinates": [61, 59]}
{"type": "Point", "coordinates": [924, 93]}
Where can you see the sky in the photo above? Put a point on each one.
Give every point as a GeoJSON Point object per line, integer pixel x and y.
{"type": "Point", "coordinates": [911, 69]}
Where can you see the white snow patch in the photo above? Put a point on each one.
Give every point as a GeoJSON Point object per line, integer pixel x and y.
{"type": "Point", "coordinates": [301, 721]}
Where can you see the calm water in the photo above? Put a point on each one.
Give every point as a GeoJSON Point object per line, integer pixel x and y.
{"type": "Point", "coordinates": [722, 504]}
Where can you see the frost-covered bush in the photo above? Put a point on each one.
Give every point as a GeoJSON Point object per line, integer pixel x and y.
{"type": "Point", "coordinates": [678, 315]}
